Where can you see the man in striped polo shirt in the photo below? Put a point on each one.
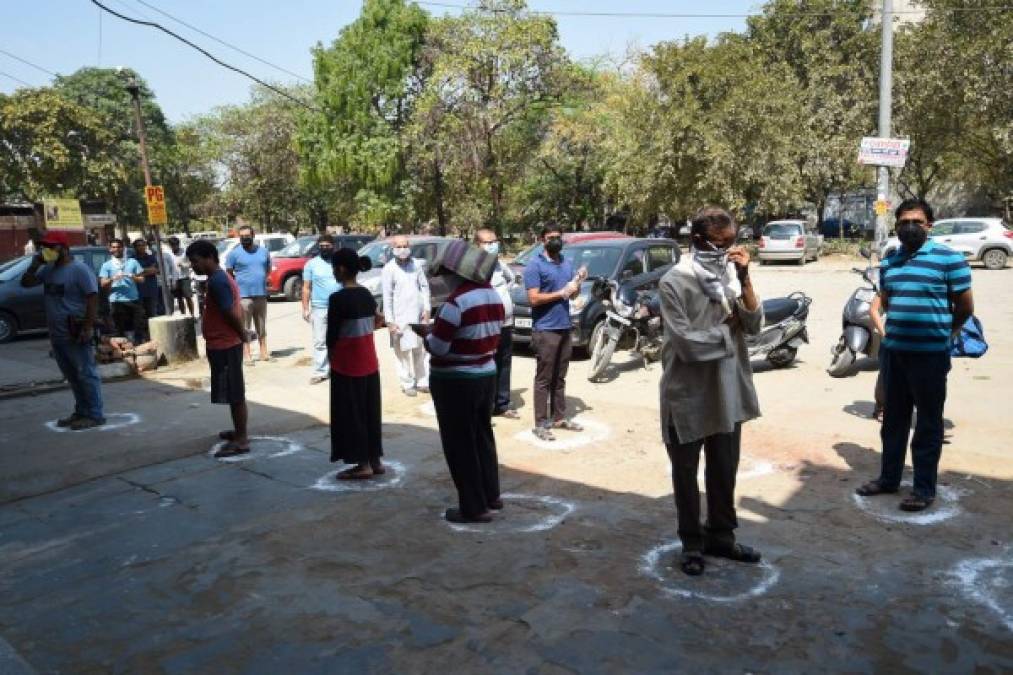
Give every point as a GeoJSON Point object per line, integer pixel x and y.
{"type": "Point", "coordinates": [462, 378]}
{"type": "Point", "coordinates": [925, 289]}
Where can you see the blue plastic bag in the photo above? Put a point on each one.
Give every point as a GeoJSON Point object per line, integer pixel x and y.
{"type": "Point", "coordinates": [970, 343]}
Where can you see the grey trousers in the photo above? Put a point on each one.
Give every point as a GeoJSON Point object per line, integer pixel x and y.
{"type": "Point", "coordinates": [552, 357]}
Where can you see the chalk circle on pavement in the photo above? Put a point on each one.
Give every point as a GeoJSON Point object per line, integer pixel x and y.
{"type": "Point", "coordinates": [988, 582]}
{"type": "Point", "coordinates": [521, 514]}
{"type": "Point", "coordinates": [723, 580]}
{"type": "Point", "coordinates": [885, 507]}
{"type": "Point", "coordinates": [113, 421]}
{"type": "Point", "coordinates": [568, 440]}
{"type": "Point", "coordinates": [394, 477]}
{"type": "Point", "coordinates": [261, 447]}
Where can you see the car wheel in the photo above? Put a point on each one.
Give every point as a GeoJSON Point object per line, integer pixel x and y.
{"type": "Point", "coordinates": [802, 260]}
{"type": "Point", "coordinates": [292, 289]}
{"type": "Point", "coordinates": [8, 327]}
{"type": "Point", "coordinates": [843, 359]}
{"type": "Point", "coordinates": [816, 256]}
{"type": "Point", "coordinates": [601, 348]}
{"type": "Point", "coordinates": [994, 259]}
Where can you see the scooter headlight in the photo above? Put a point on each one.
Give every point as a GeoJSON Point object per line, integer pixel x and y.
{"type": "Point", "coordinates": [577, 304]}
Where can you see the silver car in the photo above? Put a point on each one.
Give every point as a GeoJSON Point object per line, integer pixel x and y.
{"type": "Point", "coordinates": [790, 240]}
{"type": "Point", "coordinates": [985, 240]}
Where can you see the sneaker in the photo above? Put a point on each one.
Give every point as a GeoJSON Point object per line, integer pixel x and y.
{"type": "Point", "coordinates": [410, 392]}
{"type": "Point", "coordinates": [67, 421]}
{"type": "Point", "coordinates": [543, 434]}
{"type": "Point", "coordinates": [82, 423]}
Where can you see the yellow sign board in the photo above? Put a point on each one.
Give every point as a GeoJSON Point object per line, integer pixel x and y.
{"type": "Point", "coordinates": [882, 207]}
{"type": "Point", "coordinates": [62, 214]}
{"type": "Point", "coordinates": [154, 195]}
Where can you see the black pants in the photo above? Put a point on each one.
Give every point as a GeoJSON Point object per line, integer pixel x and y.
{"type": "Point", "coordinates": [504, 357]}
{"type": "Point", "coordinates": [130, 316]}
{"type": "Point", "coordinates": [913, 380]}
{"type": "Point", "coordinates": [722, 455]}
{"type": "Point", "coordinates": [552, 355]}
{"type": "Point", "coordinates": [464, 412]}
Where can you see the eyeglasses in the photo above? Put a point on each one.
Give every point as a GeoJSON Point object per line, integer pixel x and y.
{"type": "Point", "coordinates": [911, 221]}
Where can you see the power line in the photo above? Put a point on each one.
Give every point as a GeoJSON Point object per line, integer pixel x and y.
{"type": "Point", "coordinates": [224, 43]}
{"type": "Point", "coordinates": [28, 63]}
{"type": "Point", "coordinates": [688, 15]}
{"type": "Point", "coordinates": [206, 53]}
{"type": "Point", "coordinates": [16, 79]}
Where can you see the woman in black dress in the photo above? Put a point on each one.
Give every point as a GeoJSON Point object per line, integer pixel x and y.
{"type": "Point", "coordinates": [355, 372]}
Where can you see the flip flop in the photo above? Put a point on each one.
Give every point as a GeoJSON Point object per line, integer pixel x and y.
{"type": "Point", "coordinates": [916, 503]}
{"type": "Point", "coordinates": [873, 488]}
{"type": "Point", "coordinates": [231, 449]}
{"type": "Point", "coordinates": [456, 516]}
{"type": "Point", "coordinates": [355, 473]}
{"type": "Point", "coordinates": [567, 425]}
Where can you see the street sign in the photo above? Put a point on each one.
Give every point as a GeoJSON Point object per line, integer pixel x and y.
{"type": "Point", "coordinates": [884, 151]}
{"type": "Point", "coordinates": [882, 207]}
{"type": "Point", "coordinates": [154, 195]}
{"type": "Point", "coordinates": [62, 214]}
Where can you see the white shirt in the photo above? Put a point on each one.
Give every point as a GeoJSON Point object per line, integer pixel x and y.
{"type": "Point", "coordinates": [504, 280]}
{"type": "Point", "coordinates": [405, 298]}
{"type": "Point", "coordinates": [169, 264]}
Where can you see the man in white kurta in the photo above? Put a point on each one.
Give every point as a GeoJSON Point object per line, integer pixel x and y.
{"type": "Point", "coordinates": [406, 300]}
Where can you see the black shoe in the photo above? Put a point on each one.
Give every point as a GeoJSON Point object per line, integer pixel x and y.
{"type": "Point", "coordinates": [456, 516]}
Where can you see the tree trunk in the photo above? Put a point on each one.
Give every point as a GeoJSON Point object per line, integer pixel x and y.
{"type": "Point", "coordinates": [441, 215]}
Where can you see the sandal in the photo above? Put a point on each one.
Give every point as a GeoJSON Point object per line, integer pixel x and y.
{"type": "Point", "coordinates": [873, 488]}
{"type": "Point", "coordinates": [543, 434]}
{"type": "Point", "coordinates": [737, 552]}
{"type": "Point", "coordinates": [693, 563]}
{"type": "Point", "coordinates": [457, 516]}
{"type": "Point", "coordinates": [508, 413]}
{"type": "Point", "coordinates": [231, 449]}
{"type": "Point", "coordinates": [355, 473]}
{"type": "Point", "coordinates": [916, 503]}
{"type": "Point", "coordinates": [567, 425]}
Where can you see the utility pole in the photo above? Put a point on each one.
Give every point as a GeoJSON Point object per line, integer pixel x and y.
{"type": "Point", "coordinates": [885, 114]}
{"type": "Point", "coordinates": [135, 94]}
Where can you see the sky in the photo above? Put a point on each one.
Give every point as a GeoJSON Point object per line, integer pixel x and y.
{"type": "Point", "coordinates": [64, 35]}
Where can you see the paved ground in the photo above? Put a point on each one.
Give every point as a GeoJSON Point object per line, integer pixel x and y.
{"type": "Point", "coordinates": [139, 553]}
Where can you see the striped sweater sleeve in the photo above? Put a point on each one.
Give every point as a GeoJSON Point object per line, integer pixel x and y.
{"type": "Point", "coordinates": [444, 328]}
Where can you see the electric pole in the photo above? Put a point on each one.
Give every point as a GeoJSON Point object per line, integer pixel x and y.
{"type": "Point", "coordinates": [885, 110]}
{"type": "Point", "coordinates": [135, 94]}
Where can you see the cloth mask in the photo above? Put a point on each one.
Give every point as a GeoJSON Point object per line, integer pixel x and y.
{"type": "Point", "coordinates": [554, 245]}
{"type": "Point", "coordinates": [711, 270]}
{"type": "Point", "coordinates": [246, 241]}
{"type": "Point", "coordinates": [402, 252]}
{"type": "Point", "coordinates": [50, 255]}
{"type": "Point", "coordinates": [326, 254]}
{"type": "Point", "coordinates": [492, 248]}
{"type": "Point", "coordinates": [912, 236]}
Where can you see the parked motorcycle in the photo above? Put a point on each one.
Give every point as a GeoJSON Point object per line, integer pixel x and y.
{"type": "Point", "coordinates": [633, 322]}
{"type": "Point", "coordinates": [859, 335]}
{"type": "Point", "coordinates": [784, 330]}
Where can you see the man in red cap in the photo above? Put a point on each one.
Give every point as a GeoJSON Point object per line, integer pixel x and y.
{"type": "Point", "coordinates": [71, 300]}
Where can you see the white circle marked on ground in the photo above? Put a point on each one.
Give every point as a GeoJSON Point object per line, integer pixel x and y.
{"type": "Point", "coordinates": [261, 447]}
{"type": "Point", "coordinates": [717, 569]}
{"type": "Point", "coordinates": [988, 581]}
{"type": "Point", "coordinates": [113, 421]}
{"type": "Point", "coordinates": [393, 478]}
{"type": "Point", "coordinates": [568, 440]}
{"type": "Point", "coordinates": [886, 507]}
{"type": "Point", "coordinates": [510, 521]}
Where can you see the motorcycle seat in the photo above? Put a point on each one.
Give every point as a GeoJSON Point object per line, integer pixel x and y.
{"type": "Point", "coordinates": [778, 309]}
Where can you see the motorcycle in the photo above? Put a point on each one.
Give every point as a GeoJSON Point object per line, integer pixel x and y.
{"type": "Point", "coordinates": [633, 321]}
{"type": "Point", "coordinates": [784, 330]}
{"type": "Point", "coordinates": [859, 335]}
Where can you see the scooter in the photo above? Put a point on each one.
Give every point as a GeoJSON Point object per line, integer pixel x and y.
{"type": "Point", "coordinates": [784, 330]}
{"type": "Point", "coordinates": [859, 335]}
{"type": "Point", "coordinates": [634, 321]}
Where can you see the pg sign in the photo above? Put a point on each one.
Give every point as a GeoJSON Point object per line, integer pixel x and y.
{"type": "Point", "coordinates": [154, 195]}
{"type": "Point", "coordinates": [884, 151]}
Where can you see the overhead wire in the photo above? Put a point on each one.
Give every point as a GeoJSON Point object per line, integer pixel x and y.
{"type": "Point", "coordinates": [158, 26]}
{"type": "Point", "coordinates": [16, 79]}
{"type": "Point", "coordinates": [28, 63]}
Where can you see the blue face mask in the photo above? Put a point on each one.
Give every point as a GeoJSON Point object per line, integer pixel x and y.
{"type": "Point", "coordinates": [492, 247]}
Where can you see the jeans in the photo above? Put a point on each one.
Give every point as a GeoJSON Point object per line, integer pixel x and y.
{"type": "Point", "coordinates": [504, 356]}
{"type": "Point", "coordinates": [913, 380]}
{"type": "Point", "coordinates": [77, 363]}
{"type": "Point", "coordinates": [318, 321]}
{"type": "Point", "coordinates": [552, 357]}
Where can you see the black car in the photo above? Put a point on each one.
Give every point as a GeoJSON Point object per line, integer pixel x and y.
{"type": "Point", "coordinates": [637, 264]}
{"type": "Point", "coordinates": [22, 309]}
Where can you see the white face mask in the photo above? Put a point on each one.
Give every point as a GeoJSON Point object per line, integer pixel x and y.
{"type": "Point", "coordinates": [492, 247]}
{"type": "Point", "coordinates": [402, 253]}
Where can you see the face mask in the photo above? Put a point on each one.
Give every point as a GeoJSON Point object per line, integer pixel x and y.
{"type": "Point", "coordinates": [246, 241]}
{"type": "Point", "coordinates": [326, 254]}
{"type": "Point", "coordinates": [554, 246]}
{"type": "Point", "coordinates": [402, 253]}
{"type": "Point", "coordinates": [492, 247]}
{"type": "Point", "coordinates": [50, 255]}
{"type": "Point", "coordinates": [912, 236]}
{"type": "Point", "coordinates": [710, 256]}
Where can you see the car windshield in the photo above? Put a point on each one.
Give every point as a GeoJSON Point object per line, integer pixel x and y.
{"type": "Point", "coordinates": [298, 248]}
{"type": "Point", "coordinates": [13, 269]}
{"type": "Point", "coordinates": [601, 261]}
{"type": "Point", "coordinates": [225, 244]}
{"type": "Point", "coordinates": [377, 252]}
{"type": "Point", "coordinates": [782, 230]}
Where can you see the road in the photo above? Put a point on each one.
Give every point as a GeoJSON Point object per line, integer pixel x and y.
{"type": "Point", "coordinates": [141, 554]}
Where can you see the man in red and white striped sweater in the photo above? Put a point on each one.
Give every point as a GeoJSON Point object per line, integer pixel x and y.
{"type": "Point", "coordinates": [462, 345]}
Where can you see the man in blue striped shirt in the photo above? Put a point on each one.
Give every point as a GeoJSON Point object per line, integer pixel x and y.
{"type": "Point", "coordinates": [925, 288]}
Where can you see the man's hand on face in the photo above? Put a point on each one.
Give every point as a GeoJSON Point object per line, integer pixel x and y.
{"type": "Point", "coordinates": [739, 256]}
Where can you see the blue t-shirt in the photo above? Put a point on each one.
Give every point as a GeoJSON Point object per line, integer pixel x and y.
{"type": "Point", "coordinates": [320, 274]}
{"type": "Point", "coordinates": [549, 276]}
{"type": "Point", "coordinates": [251, 269]}
{"type": "Point", "coordinates": [124, 290]}
{"type": "Point", "coordinates": [219, 289]}
{"type": "Point", "coordinates": [66, 294]}
{"type": "Point", "coordinates": [917, 287]}
{"type": "Point", "coordinates": [149, 287]}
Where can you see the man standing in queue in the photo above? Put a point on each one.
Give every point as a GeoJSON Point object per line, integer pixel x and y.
{"type": "Point", "coordinates": [249, 264]}
{"type": "Point", "coordinates": [407, 300]}
{"type": "Point", "coordinates": [318, 283]}
{"type": "Point", "coordinates": [503, 282]}
{"type": "Point", "coordinates": [708, 305]}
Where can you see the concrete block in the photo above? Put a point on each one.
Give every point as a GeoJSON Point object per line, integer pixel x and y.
{"type": "Point", "coordinates": [176, 337]}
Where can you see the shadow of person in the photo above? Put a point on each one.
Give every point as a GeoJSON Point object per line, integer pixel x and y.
{"type": "Point", "coordinates": [864, 410]}
{"type": "Point", "coordinates": [760, 366]}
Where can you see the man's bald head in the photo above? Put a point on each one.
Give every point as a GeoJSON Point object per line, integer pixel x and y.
{"type": "Point", "coordinates": [399, 241]}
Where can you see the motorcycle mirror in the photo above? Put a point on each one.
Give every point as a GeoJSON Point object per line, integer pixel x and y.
{"type": "Point", "coordinates": [599, 289]}
{"type": "Point", "coordinates": [866, 253]}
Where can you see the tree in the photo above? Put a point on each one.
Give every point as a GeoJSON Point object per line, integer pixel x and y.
{"type": "Point", "coordinates": [189, 177]}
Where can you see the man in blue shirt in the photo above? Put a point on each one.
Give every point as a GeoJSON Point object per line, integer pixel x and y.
{"type": "Point", "coordinates": [925, 289]}
{"type": "Point", "coordinates": [148, 289]}
{"type": "Point", "coordinates": [120, 275]}
{"type": "Point", "coordinates": [71, 301]}
{"type": "Point", "coordinates": [318, 283]}
{"type": "Point", "coordinates": [550, 281]}
{"type": "Point", "coordinates": [250, 264]}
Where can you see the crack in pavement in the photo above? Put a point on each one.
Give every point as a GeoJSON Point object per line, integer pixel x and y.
{"type": "Point", "coordinates": [151, 490]}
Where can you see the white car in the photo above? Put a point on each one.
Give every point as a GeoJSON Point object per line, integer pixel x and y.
{"type": "Point", "coordinates": [272, 241]}
{"type": "Point", "coordinates": [985, 240]}
{"type": "Point", "coordinates": [788, 240]}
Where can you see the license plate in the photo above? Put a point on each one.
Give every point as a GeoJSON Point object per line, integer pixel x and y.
{"type": "Point", "coordinates": [521, 322]}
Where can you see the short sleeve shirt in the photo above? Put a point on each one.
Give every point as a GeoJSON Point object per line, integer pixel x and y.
{"type": "Point", "coordinates": [251, 269]}
{"type": "Point", "coordinates": [124, 290]}
{"type": "Point", "coordinates": [320, 275]}
{"type": "Point", "coordinates": [66, 289]}
{"type": "Point", "coordinates": [919, 316]}
{"type": "Point", "coordinates": [149, 287]}
{"type": "Point", "coordinates": [549, 276]}
{"type": "Point", "coordinates": [351, 317]}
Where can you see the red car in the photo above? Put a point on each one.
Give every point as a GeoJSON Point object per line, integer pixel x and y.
{"type": "Point", "coordinates": [286, 265]}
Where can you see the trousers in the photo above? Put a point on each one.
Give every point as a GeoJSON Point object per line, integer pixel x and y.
{"type": "Point", "coordinates": [504, 359]}
{"type": "Point", "coordinates": [913, 380]}
{"type": "Point", "coordinates": [552, 360]}
{"type": "Point", "coordinates": [722, 463]}
{"type": "Point", "coordinates": [318, 322]}
{"type": "Point", "coordinates": [464, 412]}
{"type": "Point", "coordinates": [77, 363]}
{"type": "Point", "coordinates": [130, 314]}
{"type": "Point", "coordinates": [412, 367]}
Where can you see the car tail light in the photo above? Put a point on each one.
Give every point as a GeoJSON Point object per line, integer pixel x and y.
{"type": "Point", "coordinates": [800, 242]}
{"type": "Point", "coordinates": [1008, 234]}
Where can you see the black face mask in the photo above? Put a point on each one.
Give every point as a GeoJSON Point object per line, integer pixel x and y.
{"type": "Point", "coordinates": [554, 245]}
{"type": "Point", "coordinates": [327, 254]}
{"type": "Point", "coordinates": [912, 236]}
{"type": "Point", "coordinates": [246, 241]}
